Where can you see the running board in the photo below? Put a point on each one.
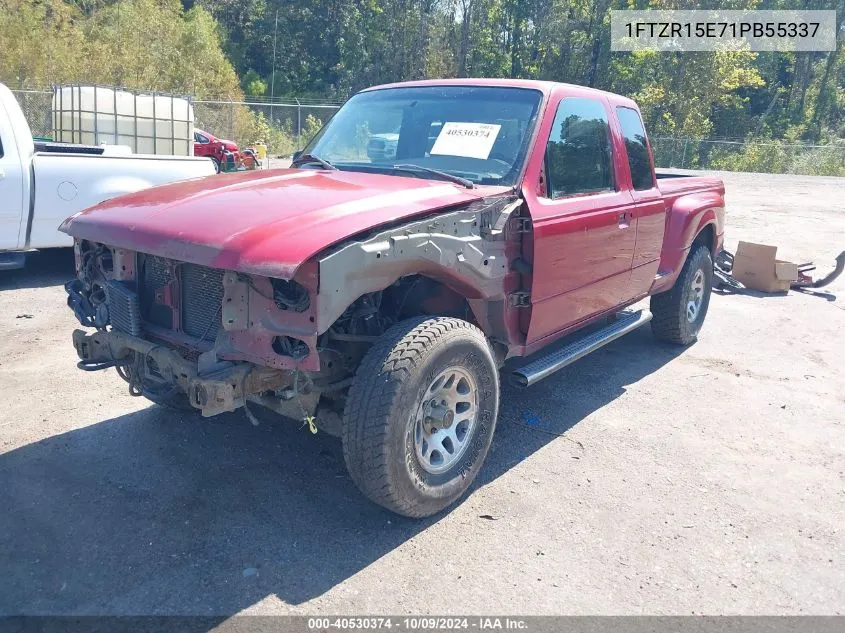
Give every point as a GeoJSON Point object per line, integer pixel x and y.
{"type": "Point", "coordinates": [545, 366]}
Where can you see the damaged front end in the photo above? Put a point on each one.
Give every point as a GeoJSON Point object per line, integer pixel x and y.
{"type": "Point", "coordinates": [193, 336]}
{"type": "Point", "coordinates": [196, 336]}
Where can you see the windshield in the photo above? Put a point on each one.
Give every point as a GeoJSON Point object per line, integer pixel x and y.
{"type": "Point", "coordinates": [478, 133]}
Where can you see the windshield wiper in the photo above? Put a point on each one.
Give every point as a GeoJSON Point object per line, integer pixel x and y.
{"type": "Point", "coordinates": [436, 172]}
{"type": "Point", "coordinates": [310, 158]}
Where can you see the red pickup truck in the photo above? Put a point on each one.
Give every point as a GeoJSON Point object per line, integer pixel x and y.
{"type": "Point", "coordinates": [377, 296]}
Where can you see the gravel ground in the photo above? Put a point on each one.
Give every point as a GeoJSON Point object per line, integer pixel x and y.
{"type": "Point", "coordinates": [642, 480]}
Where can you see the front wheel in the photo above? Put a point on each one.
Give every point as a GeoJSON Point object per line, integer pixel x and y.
{"type": "Point", "coordinates": [679, 313]}
{"type": "Point", "coordinates": [420, 415]}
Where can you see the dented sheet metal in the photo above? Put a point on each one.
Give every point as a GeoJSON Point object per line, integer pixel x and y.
{"type": "Point", "coordinates": [266, 223]}
{"type": "Point", "coordinates": [466, 250]}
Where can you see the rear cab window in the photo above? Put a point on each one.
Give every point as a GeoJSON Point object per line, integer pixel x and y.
{"type": "Point", "coordinates": [636, 146]}
{"type": "Point", "coordinates": [578, 157]}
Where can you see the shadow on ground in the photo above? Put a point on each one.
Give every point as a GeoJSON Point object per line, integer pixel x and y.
{"type": "Point", "coordinates": [726, 290]}
{"type": "Point", "coordinates": [51, 267]}
{"type": "Point", "coordinates": [822, 294]}
{"type": "Point", "coordinates": [157, 513]}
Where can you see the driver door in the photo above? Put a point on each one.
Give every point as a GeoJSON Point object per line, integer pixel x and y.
{"type": "Point", "coordinates": [583, 230]}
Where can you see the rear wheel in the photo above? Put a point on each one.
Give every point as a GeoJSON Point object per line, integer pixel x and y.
{"type": "Point", "coordinates": [420, 415]}
{"type": "Point", "coordinates": [680, 312]}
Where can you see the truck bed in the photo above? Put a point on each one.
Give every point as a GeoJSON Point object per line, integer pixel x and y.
{"type": "Point", "coordinates": [67, 148]}
{"type": "Point", "coordinates": [675, 184]}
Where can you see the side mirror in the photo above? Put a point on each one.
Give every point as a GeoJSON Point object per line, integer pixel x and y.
{"type": "Point", "coordinates": [296, 154]}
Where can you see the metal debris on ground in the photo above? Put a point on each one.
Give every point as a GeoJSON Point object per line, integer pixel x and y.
{"type": "Point", "coordinates": [724, 262]}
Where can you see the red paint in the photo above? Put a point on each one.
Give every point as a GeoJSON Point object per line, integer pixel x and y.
{"type": "Point", "coordinates": [268, 222]}
{"type": "Point", "coordinates": [215, 147]}
{"type": "Point", "coordinates": [591, 254]}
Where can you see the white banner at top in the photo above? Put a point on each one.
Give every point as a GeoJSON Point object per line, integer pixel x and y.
{"type": "Point", "coordinates": [722, 30]}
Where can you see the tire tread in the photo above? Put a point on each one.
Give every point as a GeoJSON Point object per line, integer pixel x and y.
{"type": "Point", "coordinates": [373, 396]}
{"type": "Point", "coordinates": [668, 310]}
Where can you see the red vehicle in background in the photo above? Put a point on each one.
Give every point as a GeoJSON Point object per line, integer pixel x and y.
{"type": "Point", "coordinates": [206, 144]}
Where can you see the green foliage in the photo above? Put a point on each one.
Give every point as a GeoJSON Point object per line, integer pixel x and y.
{"type": "Point", "coordinates": [142, 44]}
{"type": "Point", "coordinates": [253, 84]}
{"type": "Point", "coordinates": [281, 138]}
{"type": "Point", "coordinates": [39, 43]}
{"type": "Point", "coordinates": [678, 92]}
{"type": "Point", "coordinates": [777, 157]}
{"type": "Point", "coordinates": [310, 127]}
{"type": "Point", "coordinates": [332, 48]}
{"type": "Point", "coordinates": [367, 42]}
{"type": "Point", "coordinates": [251, 127]}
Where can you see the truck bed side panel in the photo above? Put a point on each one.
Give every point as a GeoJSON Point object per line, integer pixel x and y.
{"type": "Point", "coordinates": [68, 183]}
{"type": "Point", "coordinates": [692, 204]}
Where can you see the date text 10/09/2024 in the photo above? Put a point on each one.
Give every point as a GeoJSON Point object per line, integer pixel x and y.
{"type": "Point", "coordinates": [423, 623]}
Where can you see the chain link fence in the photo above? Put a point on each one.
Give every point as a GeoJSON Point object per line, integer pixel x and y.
{"type": "Point", "coordinates": [773, 157]}
{"type": "Point", "coordinates": [37, 108]}
{"type": "Point", "coordinates": [285, 126]}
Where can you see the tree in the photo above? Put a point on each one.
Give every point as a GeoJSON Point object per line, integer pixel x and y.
{"type": "Point", "coordinates": [141, 44]}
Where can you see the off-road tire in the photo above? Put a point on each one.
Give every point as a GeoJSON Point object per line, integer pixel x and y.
{"type": "Point", "coordinates": [379, 418]}
{"type": "Point", "coordinates": [669, 309]}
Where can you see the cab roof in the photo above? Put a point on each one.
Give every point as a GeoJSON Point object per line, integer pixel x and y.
{"type": "Point", "coordinates": [548, 88]}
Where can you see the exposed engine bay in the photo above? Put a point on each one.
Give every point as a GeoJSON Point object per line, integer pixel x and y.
{"type": "Point", "coordinates": [194, 336]}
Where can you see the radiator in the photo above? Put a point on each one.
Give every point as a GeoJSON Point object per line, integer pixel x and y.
{"type": "Point", "coordinates": [202, 300]}
{"type": "Point", "coordinates": [201, 296]}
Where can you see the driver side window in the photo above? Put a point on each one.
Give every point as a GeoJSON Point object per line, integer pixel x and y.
{"type": "Point", "coordinates": [578, 154]}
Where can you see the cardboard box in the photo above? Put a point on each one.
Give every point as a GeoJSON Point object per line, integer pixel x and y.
{"type": "Point", "coordinates": [756, 266]}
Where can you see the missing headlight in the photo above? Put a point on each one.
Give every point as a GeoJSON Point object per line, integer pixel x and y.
{"type": "Point", "coordinates": [289, 295]}
{"type": "Point", "coordinates": [289, 346]}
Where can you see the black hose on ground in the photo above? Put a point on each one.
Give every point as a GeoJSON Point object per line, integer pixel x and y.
{"type": "Point", "coordinates": [827, 279]}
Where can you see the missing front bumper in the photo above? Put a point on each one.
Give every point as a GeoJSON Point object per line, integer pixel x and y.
{"type": "Point", "coordinates": [223, 387]}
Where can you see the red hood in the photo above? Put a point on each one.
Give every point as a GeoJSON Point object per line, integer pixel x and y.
{"type": "Point", "coordinates": [267, 222]}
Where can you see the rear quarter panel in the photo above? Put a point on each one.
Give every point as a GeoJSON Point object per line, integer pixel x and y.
{"type": "Point", "coordinates": [692, 204]}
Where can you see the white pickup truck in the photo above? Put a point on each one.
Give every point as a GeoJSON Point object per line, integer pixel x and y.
{"type": "Point", "coordinates": [41, 184]}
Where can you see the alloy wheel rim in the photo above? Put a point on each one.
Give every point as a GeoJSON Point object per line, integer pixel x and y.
{"type": "Point", "coordinates": [695, 298]}
{"type": "Point", "coordinates": [445, 420]}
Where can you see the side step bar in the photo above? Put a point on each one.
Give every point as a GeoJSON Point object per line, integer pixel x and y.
{"type": "Point", "coordinates": [545, 366]}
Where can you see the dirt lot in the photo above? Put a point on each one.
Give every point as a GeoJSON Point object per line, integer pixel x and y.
{"type": "Point", "coordinates": [643, 479]}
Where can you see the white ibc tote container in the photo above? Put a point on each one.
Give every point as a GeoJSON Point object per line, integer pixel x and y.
{"type": "Point", "coordinates": [147, 123]}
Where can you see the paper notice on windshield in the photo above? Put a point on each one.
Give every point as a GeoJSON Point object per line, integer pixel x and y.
{"type": "Point", "coordinates": [472, 140]}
